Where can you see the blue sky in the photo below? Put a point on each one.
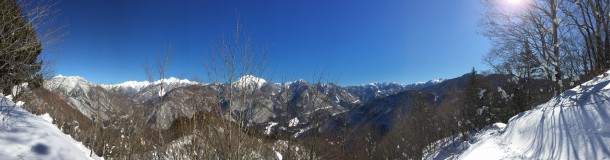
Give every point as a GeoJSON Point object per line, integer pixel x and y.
{"type": "Point", "coordinates": [353, 41]}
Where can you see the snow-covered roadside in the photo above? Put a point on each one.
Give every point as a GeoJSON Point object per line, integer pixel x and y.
{"type": "Point", "coordinates": [574, 125]}
{"type": "Point", "coordinates": [24, 135]}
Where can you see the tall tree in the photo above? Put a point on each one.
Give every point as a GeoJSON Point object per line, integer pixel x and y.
{"type": "Point", "coordinates": [469, 102]}
{"type": "Point", "coordinates": [19, 47]}
{"type": "Point", "coordinates": [236, 61]}
{"type": "Point", "coordinates": [591, 21]}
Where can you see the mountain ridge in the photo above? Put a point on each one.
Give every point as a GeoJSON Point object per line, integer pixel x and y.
{"type": "Point", "coordinates": [286, 97]}
{"type": "Point", "coordinates": [261, 81]}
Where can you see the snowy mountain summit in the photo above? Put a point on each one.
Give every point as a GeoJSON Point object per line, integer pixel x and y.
{"type": "Point", "coordinates": [68, 84]}
{"type": "Point", "coordinates": [248, 81]}
{"type": "Point", "coordinates": [370, 91]}
{"type": "Point", "coordinates": [433, 81]}
{"type": "Point", "coordinates": [134, 87]}
{"type": "Point", "coordinates": [573, 125]}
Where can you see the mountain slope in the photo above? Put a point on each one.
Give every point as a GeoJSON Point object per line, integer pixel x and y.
{"type": "Point", "coordinates": [574, 125]}
{"type": "Point", "coordinates": [90, 99]}
{"type": "Point", "coordinates": [27, 136]}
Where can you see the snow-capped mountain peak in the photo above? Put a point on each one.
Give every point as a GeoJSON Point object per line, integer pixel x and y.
{"type": "Point", "coordinates": [433, 81]}
{"type": "Point", "coordinates": [437, 80]}
{"type": "Point", "coordinates": [67, 83]}
{"type": "Point", "coordinates": [370, 91]}
{"type": "Point", "coordinates": [142, 84]}
{"type": "Point", "coordinates": [382, 84]}
{"type": "Point", "coordinates": [137, 86]}
{"type": "Point", "coordinates": [130, 85]}
{"type": "Point", "coordinates": [174, 80]}
{"type": "Point", "coordinates": [70, 79]}
{"type": "Point", "coordinates": [250, 80]}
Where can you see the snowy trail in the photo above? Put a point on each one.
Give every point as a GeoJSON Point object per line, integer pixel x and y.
{"type": "Point", "coordinates": [26, 136]}
{"type": "Point", "coordinates": [574, 125]}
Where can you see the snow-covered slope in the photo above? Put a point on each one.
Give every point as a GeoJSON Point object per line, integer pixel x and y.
{"type": "Point", "coordinates": [27, 136]}
{"type": "Point", "coordinates": [574, 125]}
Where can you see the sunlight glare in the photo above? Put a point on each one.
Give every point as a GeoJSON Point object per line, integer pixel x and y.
{"type": "Point", "coordinates": [514, 2]}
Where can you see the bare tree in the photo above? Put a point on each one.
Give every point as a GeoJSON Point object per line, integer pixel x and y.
{"type": "Point", "coordinates": [567, 38]}
{"type": "Point", "coordinates": [236, 63]}
{"type": "Point", "coordinates": [159, 69]}
{"type": "Point", "coordinates": [539, 26]}
{"type": "Point", "coordinates": [591, 22]}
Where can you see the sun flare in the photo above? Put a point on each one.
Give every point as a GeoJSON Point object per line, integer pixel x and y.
{"type": "Point", "coordinates": [514, 2]}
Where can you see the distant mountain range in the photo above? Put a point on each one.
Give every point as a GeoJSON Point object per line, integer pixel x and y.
{"type": "Point", "coordinates": [278, 103]}
{"type": "Point", "coordinates": [297, 108]}
{"type": "Point", "coordinates": [368, 92]}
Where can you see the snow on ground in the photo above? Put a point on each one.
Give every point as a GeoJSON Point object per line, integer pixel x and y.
{"type": "Point", "coordinates": [269, 128]}
{"type": "Point", "coordinates": [293, 122]}
{"type": "Point", "coordinates": [278, 155]}
{"type": "Point", "coordinates": [26, 136]}
{"type": "Point", "coordinates": [574, 125]}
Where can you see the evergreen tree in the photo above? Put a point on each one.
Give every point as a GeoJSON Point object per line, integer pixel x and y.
{"type": "Point", "coordinates": [423, 120]}
{"type": "Point", "coordinates": [19, 48]}
{"type": "Point", "coordinates": [471, 118]}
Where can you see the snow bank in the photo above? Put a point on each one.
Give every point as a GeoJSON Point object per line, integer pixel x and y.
{"type": "Point", "coordinates": [574, 125]}
{"type": "Point", "coordinates": [27, 136]}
